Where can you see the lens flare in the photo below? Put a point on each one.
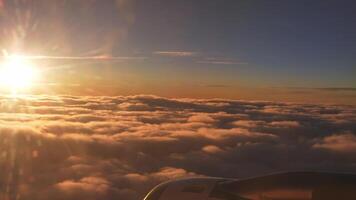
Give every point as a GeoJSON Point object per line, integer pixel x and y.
{"type": "Point", "coordinates": [17, 73]}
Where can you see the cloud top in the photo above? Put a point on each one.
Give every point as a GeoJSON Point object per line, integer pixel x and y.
{"type": "Point", "coordinates": [77, 147]}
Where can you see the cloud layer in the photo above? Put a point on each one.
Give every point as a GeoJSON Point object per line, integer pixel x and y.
{"type": "Point", "coordinates": [70, 147]}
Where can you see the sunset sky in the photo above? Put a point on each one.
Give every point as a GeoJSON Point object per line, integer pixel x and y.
{"type": "Point", "coordinates": [105, 99]}
{"type": "Point", "coordinates": [262, 50]}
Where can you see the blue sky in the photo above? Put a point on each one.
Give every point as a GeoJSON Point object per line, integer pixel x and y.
{"type": "Point", "coordinates": [179, 45]}
{"type": "Point", "coordinates": [309, 41]}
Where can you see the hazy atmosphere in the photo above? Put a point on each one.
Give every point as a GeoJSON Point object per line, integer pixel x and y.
{"type": "Point", "coordinates": [261, 50]}
{"type": "Point", "coordinates": [104, 99]}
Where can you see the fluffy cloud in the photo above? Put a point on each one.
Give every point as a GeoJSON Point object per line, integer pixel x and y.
{"type": "Point", "coordinates": [87, 185]}
{"type": "Point", "coordinates": [212, 149]}
{"type": "Point", "coordinates": [343, 143]}
{"type": "Point", "coordinates": [77, 147]}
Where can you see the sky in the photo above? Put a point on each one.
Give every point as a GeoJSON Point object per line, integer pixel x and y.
{"type": "Point", "coordinates": [300, 51]}
{"type": "Point", "coordinates": [105, 99]}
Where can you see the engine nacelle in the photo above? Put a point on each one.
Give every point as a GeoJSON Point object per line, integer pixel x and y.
{"type": "Point", "coordinates": [185, 189]}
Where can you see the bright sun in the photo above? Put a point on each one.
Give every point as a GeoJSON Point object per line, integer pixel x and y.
{"type": "Point", "coordinates": [17, 73]}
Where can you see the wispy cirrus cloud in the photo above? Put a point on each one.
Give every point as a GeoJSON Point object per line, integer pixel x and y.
{"type": "Point", "coordinates": [176, 53]}
{"type": "Point", "coordinates": [221, 61]}
{"type": "Point", "coordinates": [100, 57]}
{"type": "Point", "coordinates": [347, 89]}
{"type": "Point", "coordinates": [216, 86]}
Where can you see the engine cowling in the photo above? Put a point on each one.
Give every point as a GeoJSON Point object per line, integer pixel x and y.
{"type": "Point", "coordinates": [286, 186]}
{"type": "Point", "coordinates": [185, 189]}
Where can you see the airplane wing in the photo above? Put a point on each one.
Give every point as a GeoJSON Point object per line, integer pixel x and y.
{"type": "Point", "coordinates": [285, 186]}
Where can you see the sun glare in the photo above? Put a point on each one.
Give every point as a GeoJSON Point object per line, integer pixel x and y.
{"type": "Point", "coordinates": [17, 73]}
